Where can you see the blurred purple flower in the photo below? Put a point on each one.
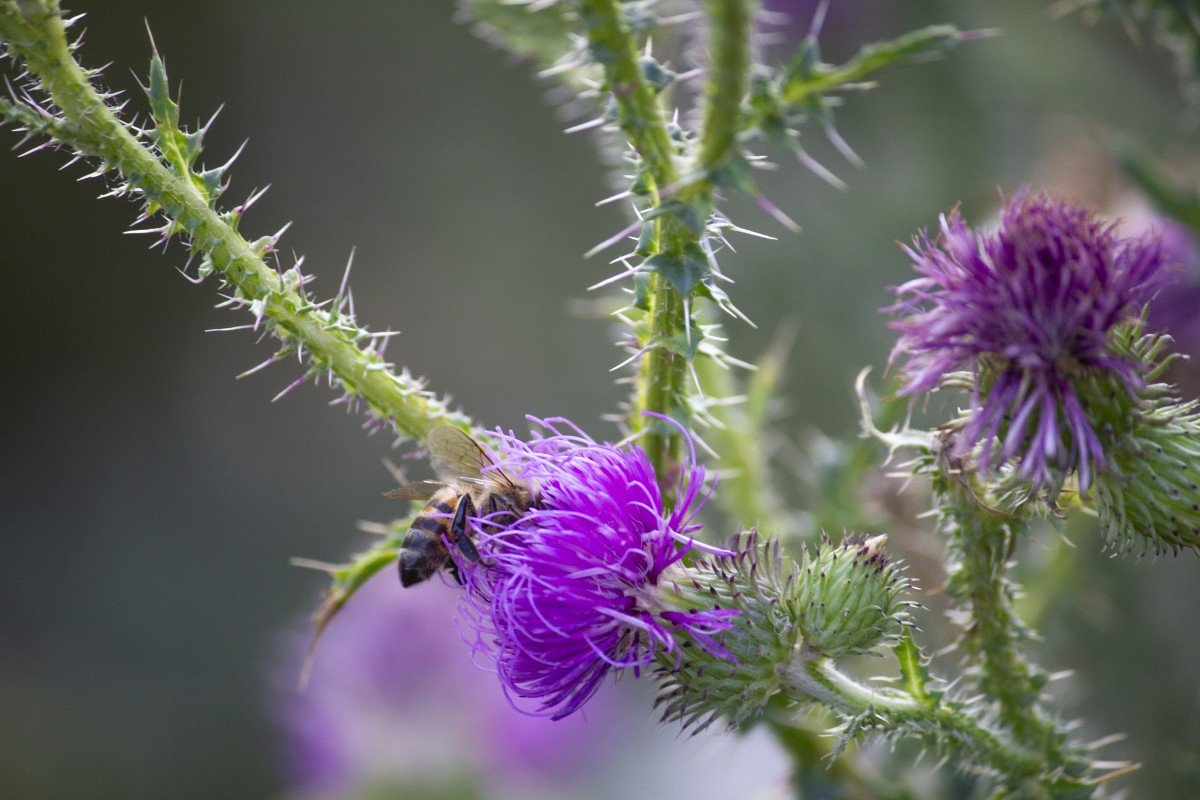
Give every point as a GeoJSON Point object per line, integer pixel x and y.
{"type": "Point", "coordinates": [1176, 309]}
{"type": "Point", "coordinates": [1028, 309]}
{"type": "Point", "coordinates": [394, 700]}
{"type": "Point", "coordinates": [575, 587]}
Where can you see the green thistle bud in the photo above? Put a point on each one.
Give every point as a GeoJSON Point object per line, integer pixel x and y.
{"type": "Point", "coordinates": [1151, 492]}
{"type": "Point", "coordinates": [781, 608]}
{"type": "Point", "coordinates": [848, 596]}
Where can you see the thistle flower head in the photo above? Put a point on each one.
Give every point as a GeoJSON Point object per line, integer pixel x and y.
{"type": "Point", "coordinates": [1028, 310]}
{"type": "Point", "coordinates": [849, 598]}
{"type": "Point", "coordinates": [579, 585]}
{"type": "Point", "coordinates": [841, 599]}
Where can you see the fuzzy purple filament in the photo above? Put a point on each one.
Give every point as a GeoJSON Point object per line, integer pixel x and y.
{"type": "Point", "coordinates": [570, 591]}
{"type": "Point", "coordinates": [1035, 302]}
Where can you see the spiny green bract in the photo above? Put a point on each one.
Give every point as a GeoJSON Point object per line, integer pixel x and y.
{"type": "Point", "coordinates": [848, 596]}
{"type": "Point", "coordinates": [700, 689]}
{"type": "Point", "coordinates": [1151, 491]}
{"type": "Point", "coordinates": [841, 599]}
{"type": "Point", "coordinates": [1149, 495]}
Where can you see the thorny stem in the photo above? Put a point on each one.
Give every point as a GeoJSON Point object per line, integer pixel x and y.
{"type": "Point", "coordinates": [729, 44]}
{"type": "Point", "coordinates": [817, 678]}
{"type": "Point", "coordinates": [33, 30]}
{"type": "Point", "coordinates": [663, 372]}
{"type": "Point", "coordinates": [984, 540]}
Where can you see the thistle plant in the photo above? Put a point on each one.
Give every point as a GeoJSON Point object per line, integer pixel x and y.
{"type": "Point", "coordinates": [617, 565]}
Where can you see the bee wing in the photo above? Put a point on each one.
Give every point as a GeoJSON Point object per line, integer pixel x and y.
{"type": "Point", "coordinates": [455, 457]}
{"type": "Point", "coordinates": [415, 491]}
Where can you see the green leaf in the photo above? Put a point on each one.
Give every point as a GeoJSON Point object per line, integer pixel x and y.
{"type": "Point", "coordinates": [684, 343]}
{"type": "Point", "coordinates": [348, 578]}
{"type": "Point", "coordinates": [166, 112]}
{"type": "Point", "coordinates": [807, 76]}
{"type": "Point", "coordinates": [693, 215]}
{"type": "Point", "coordinates": [735, 174]}
{"type": "Point", "coordinates": [646, 241]}
{"type": "Point", "coordinates": [684, 270]}
{"type": "Point", "coordinates": [912, 668]}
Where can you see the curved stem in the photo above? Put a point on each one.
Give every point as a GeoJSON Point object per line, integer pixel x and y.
{"type": "Point", "coordinates": [33, 30]}
{"type": "Point", "coordinates": [897, 711]}
{"type": "Point", "coordinates": [804, 85]}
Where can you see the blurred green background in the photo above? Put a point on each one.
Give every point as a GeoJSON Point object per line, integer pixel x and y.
{"type": "Point", "coordinates": [150, 502]}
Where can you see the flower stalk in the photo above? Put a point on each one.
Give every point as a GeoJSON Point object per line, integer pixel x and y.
{"type": "Point", "coordinates": [678, 221]}
{"type": "Point", "coordinates": [660, 382]}
{"type": "Point", "coordinates": [984, 540]}
{"type": "Point", "coordinates": [809, 678]}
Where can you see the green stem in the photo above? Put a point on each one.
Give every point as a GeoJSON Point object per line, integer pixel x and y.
{"type": "Point", "coordinates": [662, 376]}
{"type": "Point", "coordinates": [984, 540]}
{"type": "Point", "coordinates": [615, 47]}
{"type": "Point", "coordinates": [896, 711]}
{"type": "Point", "coordinates": [729, 45]}
{"type": "Point", "coordinates": [33, 31]}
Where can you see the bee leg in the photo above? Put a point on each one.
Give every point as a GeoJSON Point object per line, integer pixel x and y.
{"type": "Point", "coordinates": [453, 568]}
{"type": "Point", "coordinates": [490, 507]}
{"type": "Point", "coordinates": [458, 528]}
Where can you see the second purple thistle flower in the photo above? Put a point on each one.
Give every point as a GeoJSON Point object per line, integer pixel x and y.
{"type": "Point", "coordinates": [1028, 310]}
{"type": "Point", "coordinates": [580, 585]}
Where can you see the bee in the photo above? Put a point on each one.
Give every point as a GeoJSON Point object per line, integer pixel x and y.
{"type": "Point", "coordinates": [469, 484]}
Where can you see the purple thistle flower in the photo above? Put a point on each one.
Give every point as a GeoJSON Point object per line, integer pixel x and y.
{"type": "Point", "coordinates": [580, 585]}
{"type": "Point", "coordinates": [395, 702]}
{"type": "Point", "coordinates": [1028, 309]}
